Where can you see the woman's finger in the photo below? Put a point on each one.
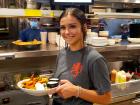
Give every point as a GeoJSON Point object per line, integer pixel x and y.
{"type": "Point", "coordinates": [60, 94]}
{"type": "Point", "coordinates": [59, 88]}
{"type": "Point", "coordinates": [63, 81]}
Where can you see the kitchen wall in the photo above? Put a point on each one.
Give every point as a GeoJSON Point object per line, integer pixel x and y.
{"type": "Point", "coordinates": [113, 25]}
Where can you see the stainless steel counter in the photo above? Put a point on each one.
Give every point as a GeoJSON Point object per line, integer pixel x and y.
{"type": "Point", "coordinates": [118, 47]}
{"type": "Point", "coordinates": [125, 91]}
{"type": "Point", "coordinates": [51, 50]}
{"type": "Point", "coordinates": [45, 50]}
{"type": "Point", "coordinates": [48, 50]}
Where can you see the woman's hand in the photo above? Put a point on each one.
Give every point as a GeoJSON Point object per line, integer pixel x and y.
{"type": "Point", "coordinates": [66, 89]}
{"type": "Point", "coordinates": [51, 90]}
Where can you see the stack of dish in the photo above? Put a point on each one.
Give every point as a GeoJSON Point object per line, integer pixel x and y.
{"type": "Point", "coordinates": [111, 42]}
{"type": "Point", "coordinates": [103, 33]}
{"type": "Point", "coordinates": [134, 40]}
{"type": "Point", "coordinates": [99, 41]}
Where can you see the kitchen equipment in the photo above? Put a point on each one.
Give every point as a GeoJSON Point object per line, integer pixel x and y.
{"type": "Point", "coordinates": [134, 30]}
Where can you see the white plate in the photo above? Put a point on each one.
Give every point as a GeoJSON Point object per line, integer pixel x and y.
{"type": "Point", "coordinates": [99, 44]}
{"type": "Point", "coordinates": [32, 92]}
{"type": "Point", "coordinates": [134, 40]}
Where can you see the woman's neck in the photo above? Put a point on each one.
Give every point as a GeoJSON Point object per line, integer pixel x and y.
{"type": "Point", "coordinates": [76, 47]}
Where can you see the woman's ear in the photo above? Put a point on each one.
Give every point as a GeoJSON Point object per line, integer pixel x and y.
{"type": "Point", "coordinates": [85, 27]}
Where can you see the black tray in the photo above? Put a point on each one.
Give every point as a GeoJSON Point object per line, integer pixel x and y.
{"type": "Point", "coordinates": [28, 47]}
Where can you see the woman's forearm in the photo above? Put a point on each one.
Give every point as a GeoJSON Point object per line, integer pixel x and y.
{"type": "Point", "coordinates": [94, 97]}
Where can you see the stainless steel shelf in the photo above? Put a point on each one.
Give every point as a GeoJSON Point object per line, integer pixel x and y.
{"type": "Point", "coordinates": [6, 12]}
{"type": "Point", "coordinates": [119, 1]}
{"type": "Point", "coordinates": [113, 15]}
{"type": "Point", "coordinates": [22, 13]}
{"type": "Point", "coordinates": [45, 50]}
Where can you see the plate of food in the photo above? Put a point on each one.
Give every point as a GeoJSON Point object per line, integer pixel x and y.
{"type": "Point", "coordinates": [31, 45]}
{"type": "Point", "coordinates": [37, 86]}
{"type": "Point", "coordinates": [34, 86]}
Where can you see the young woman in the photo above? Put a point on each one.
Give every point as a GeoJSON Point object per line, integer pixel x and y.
{"type": "Point", "coordinates": [83, 72]}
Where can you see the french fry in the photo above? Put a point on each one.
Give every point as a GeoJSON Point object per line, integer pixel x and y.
{"type": "Point", "coordinates": [30, 84]}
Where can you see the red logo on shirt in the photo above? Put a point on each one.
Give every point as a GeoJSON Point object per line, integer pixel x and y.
{"type": "Point", "coordinates": [76, 69]}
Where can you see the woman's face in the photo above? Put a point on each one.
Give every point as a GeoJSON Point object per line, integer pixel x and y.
{"type": "Point", "coordinates": [70, 29]}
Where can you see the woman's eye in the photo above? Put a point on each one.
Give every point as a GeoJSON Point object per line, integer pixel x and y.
{"type": "Point", "coordinates": [67, 27]}
{"type": "Point", "coordinates": [72, 26]}
{"type": "Point", "coordinates": [62, 28]}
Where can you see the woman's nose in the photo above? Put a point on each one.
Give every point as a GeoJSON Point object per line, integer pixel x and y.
{"type": "Point", "coordinates": [67, 31]}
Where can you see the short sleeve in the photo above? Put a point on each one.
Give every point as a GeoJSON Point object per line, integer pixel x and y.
{"type": "Point", "coordinates": [99, 75]}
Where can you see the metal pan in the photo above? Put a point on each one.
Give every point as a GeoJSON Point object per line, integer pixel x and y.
{"type": "Point", "coordinates": [28, 47]}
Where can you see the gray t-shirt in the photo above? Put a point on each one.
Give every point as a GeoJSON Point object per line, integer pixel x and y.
{"type": "Point", "coordinates": [85, 68]}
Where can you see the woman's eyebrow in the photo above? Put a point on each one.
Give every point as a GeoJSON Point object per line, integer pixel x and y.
{"type": "Point", "coordinates": [69, 24]}
{"type": "Point", "coordinates": [72, 23]}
